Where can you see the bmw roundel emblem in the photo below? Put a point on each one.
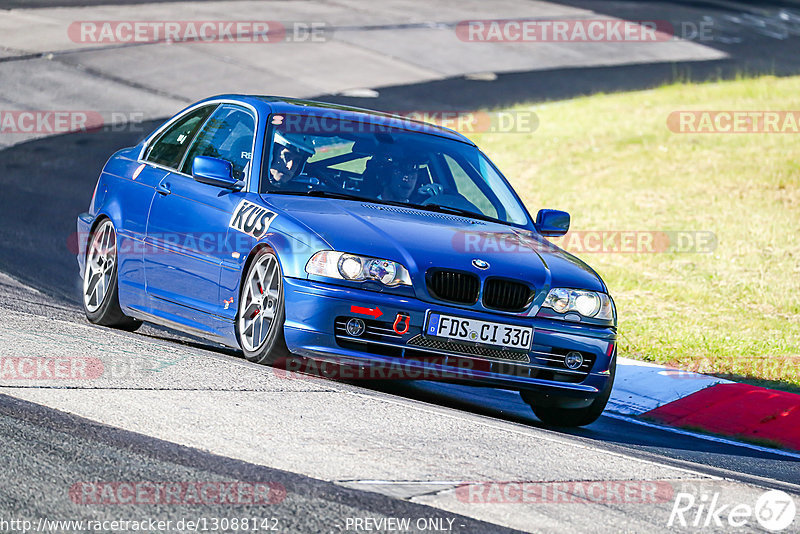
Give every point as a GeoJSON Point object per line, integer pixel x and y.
{"type": "Point", "coordinates": [480, 264]}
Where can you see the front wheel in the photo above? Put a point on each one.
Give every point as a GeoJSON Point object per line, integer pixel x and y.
{"type": "Point", "coordinates": [571, 417]}
{"type": "Point", "coordinates": [259, 321]}
{"type": "Point", "coordinates": [100, 288]}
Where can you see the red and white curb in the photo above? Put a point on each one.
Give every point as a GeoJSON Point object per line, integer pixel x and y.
{"type": "Point", "coordinates": [694, 401]}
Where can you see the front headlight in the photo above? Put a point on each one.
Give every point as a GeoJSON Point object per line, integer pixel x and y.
{"type": "Point", "coordinates": [587, 303]}
{"type": "Point", "coordinates": [333, 264]}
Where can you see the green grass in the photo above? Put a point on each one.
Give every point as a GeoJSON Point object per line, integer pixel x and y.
{"type": "Point", "coordinates": [611, 161]}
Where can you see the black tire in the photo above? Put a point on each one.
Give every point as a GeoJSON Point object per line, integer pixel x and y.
{"type": "Point", "coordinates": [573, 417]}
{"type": "Point", "coordinates": [273, 349]}
{"type": "Point", "coordinates": [108, 313]}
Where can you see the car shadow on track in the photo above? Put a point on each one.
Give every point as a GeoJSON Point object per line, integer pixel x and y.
{"type": "Point", "coordinates": [508, 406]}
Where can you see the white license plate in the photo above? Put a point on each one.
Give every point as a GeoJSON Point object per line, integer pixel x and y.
{"type": "Point", "coordinates": [498, 334]}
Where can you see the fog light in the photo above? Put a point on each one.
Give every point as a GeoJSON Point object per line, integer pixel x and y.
{"type": "Point", "coordinates": [355, 327]}
{"type": "Point", "coordinates": [573, 360]}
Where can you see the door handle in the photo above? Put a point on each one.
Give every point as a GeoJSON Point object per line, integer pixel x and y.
{"type": "Point", "coordinates": [163, 188]}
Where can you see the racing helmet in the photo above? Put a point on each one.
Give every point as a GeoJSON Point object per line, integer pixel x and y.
{"type": "Point", "coordinates": [290, 152]}
{"type": "Point", "coordinates": [394, 159]}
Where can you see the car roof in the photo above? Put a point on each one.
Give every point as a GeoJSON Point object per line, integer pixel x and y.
{"type": "Point", "coordinates": [278, 104]}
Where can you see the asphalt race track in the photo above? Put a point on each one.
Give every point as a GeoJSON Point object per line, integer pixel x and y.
{"type": "Point", "coordinates": [336, 456]}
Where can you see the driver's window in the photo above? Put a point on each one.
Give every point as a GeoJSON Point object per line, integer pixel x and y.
{"type": "Point", "coordinates": [170, 146]}
{"type": "Point", "coordinates": [467, 188]}
{"type": "Point", "coordinates": [227, 135]}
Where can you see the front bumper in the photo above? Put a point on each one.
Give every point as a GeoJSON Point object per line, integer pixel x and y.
{"type": "Point", "coordinates": [316, 314]}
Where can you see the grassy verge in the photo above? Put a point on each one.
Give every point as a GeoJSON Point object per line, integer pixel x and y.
{"type": "Point", "coordinates": [611, 161]}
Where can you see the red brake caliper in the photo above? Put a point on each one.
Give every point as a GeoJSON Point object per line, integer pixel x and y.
{"type": "Point", "coordinates": [261, 289]}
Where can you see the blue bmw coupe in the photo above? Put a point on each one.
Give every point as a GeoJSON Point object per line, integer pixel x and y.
{"type": "Point", "coordinates": [302, 230]}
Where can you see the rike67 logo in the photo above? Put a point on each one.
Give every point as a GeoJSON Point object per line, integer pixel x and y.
{"type": "Point", "coordinates": [774, 511]}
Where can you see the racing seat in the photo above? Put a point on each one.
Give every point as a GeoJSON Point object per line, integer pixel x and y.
{"type": "Point", "coordinates": [240, 156]}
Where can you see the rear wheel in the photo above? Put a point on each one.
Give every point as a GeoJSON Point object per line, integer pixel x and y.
{"type": "Point", "coordinates": [554, 416]}
{"type": "Point", "coordinates": [259, 321]}
{"type": "Point", "coordinates": [100, 289]}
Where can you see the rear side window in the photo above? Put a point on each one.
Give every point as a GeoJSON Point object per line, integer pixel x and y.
{"type": "Point", "coordinates": [168, 148]}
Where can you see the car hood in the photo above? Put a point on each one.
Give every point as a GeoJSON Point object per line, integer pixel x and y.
{"type": "Point", "coordinates": [421, 240]}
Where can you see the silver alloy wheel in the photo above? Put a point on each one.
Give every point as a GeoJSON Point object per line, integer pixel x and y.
{"type": "Point", "coordinates": [260, 301]}
{"type": "Point", "coordinates": [99, 266]}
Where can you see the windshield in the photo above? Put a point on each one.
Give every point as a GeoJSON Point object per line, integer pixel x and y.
{"type": "Point", "coordinates": [367, 161]}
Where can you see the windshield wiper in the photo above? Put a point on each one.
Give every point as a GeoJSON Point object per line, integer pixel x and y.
{"type": "Point", "coordinates": [320, 193]}
{"type": "Point", "coordinates": [455, 211]}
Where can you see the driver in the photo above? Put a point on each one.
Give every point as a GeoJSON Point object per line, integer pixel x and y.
{"type": "Point", "coordinates": [290, 152]}
{"type": "Point", "coordinates": [400, 181]}
{"type": "Point", "coordinates": [399, 175]}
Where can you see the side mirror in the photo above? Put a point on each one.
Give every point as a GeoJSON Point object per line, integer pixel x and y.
{"type": "Point", "coordinates": [215, 171]}
{"type": "Point", "coordinates": [552, 223]}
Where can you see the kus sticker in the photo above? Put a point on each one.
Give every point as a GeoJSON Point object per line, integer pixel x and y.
{"type": "Point", "coordinates": [251, 219]}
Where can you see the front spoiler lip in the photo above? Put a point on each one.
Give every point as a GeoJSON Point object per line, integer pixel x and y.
{"type": "Point", "coordinates": [464, 356]}
{"type": "Point", "coordinates": [338, 355]}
